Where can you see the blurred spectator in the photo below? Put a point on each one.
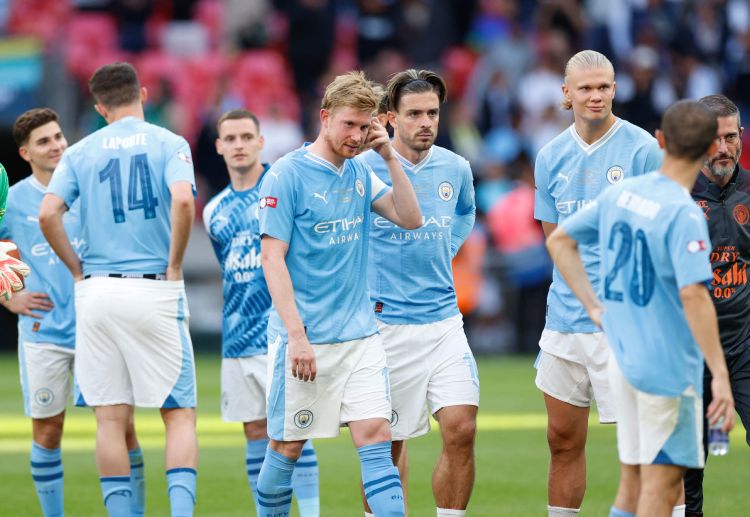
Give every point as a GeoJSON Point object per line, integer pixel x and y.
{"type": "Point", "coordinates": [131, 17]}
{"type": "Point", "coordinates": [281, 135]}
{"type": "Point", "coordinates": [377, 24]}
{"type": "Point", "coordinates": [565, 16]}
{"type": "Point", "coordinates": [245, 23]}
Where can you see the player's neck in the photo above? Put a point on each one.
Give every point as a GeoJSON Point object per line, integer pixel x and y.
{"type": "Point", "coordinates": [321, 148]}
{"type": "Point", "coordinates": [245, 179]}
{"type": "Point", "coordinates": [590, 132]}
{"type": "Point", "coordinates": [41, 176]}
{"type": "Point", "coordinates": [119, 113]}
{"type": "Point", "coordinates": [682, 172]}
{"type": "Point", "coordinates": [410, 154]}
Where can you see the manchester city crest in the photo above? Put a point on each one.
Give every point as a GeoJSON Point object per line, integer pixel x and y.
{"type": "Point", "coordinates": [44, 396]}
{"type": "Point", "coordinates": [445, 191]}
{"type": "Point", "coordinates": [615, 174]}
{"type": "Point", "coordinates": [360, 188]}
{"type": "Point", "coordinates": [394, 418]}
{"type": "Point", "coordinates": [303, 419]}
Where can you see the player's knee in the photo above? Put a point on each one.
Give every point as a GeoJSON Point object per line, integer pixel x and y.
{"type": "Point", "coordinates": [179, 416]}
{"type": "Point", "coordinates": [461, 435]}
{"type": "Point", "coordinates": [49, 436]}
{"type": "Point", "coordinates": [565, 440]}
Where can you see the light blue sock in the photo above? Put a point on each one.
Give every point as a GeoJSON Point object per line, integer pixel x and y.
{"type": "Point", "coordinates": [137, 482]}
{"type": "Point", "coordinates": [47, 472]}
{"type": "Point", "coordinates": [380, 480]}
{"type": "Point", "coordinates": [616, 512]}
{"type": "Point", "coordinates": [275, 485]}
{"type": "Point", "coordinates": [305, 482]}
{"type": "Point", "coordinates": [254, 454]}
{"type": "Point", "coordinates": [116, 494]}
{"type": "Point", "coordinates": [181, 490]}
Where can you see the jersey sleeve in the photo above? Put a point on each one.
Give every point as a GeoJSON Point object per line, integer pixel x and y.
{"type": "Point", "coordinates": [377, 187]}
{"type": "Point", "coordinates": [276, 203]}
{"type": "Point", "coordinates": [466, 210]}
{"type": "Point", "coordinates": [64, 182]}
{"type": "Point", "coordinates": [583, 226]}
{"type": "Point", "coordinates": [654, 157]}
{"type": "Point", "coordinates": [3, 193]}
{"type": "Point", "coordinates": [179, 163]}
{"type": "Point", "coordinates": [689, 247]}
{"type": "Point", "coordinates": [544, 203]}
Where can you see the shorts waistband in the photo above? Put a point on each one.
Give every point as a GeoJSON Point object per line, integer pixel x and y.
{"type": "Point", "coordinates": [146, 276]}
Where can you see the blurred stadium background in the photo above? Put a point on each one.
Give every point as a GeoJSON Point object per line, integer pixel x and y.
{"type": "Point", "coordinates": [503, 61]}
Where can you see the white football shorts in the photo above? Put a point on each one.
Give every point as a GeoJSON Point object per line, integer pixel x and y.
{"type": "Point", "coordinates": [132, 343]}
{"type": "Point", "coordinates": [657, 430]}
{"type": "Point", "coordinates": [431, 367]}
{"type": "Point", "coordinates": [351, 385]}
{"type": "Point", "coordinates": [46, 377]}
{"type": "Point", "coordinates": [243, 388]}
{"type": "Point", "coordinates": [580, 375]}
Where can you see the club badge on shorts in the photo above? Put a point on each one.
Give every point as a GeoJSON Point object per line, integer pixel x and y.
{"type": "Point", "coordinates": [44, 396]}
{"type": "Point", "coordinates": [303, 419]}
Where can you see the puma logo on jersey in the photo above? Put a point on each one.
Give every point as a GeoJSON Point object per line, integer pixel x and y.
{"type": "Point", "coordinates": [321, 196]}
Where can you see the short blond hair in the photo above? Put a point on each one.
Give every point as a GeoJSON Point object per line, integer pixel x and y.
{"type": "Point", "coordinates": [351, 90]}
{"type": "Point", "coordinates": [585, 60]}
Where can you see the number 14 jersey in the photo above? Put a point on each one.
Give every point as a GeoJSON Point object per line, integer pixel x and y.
{"type": "Point", "coordinates": [654, 241]}
{"type": "Point", "coordinates": [122, 174]}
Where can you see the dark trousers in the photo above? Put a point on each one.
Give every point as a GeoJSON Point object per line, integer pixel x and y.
{"type": "Point", "coordinates": [739, 377]}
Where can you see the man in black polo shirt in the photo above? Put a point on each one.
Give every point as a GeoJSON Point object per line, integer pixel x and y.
{"type": "Point", "coordinates": [723, 192]}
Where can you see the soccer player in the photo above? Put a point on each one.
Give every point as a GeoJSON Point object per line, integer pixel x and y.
{"type": "Point", "coordinates": [432, 368]}
{"type": "Point", "coordinates": [722, 191]}
{"type": "Point", "coordinates": [656, 312]}
{"type": "Point", "coordinates": [135, 182]}
{"type": "Point", "coordinates": [46, 313]}
{"type": "Point", "coordinates": [231, 220]}
{"type": "Point", "coordinates": [327, 360]}
{"type": "Point", "coordinates": [597, 151]}
{"type": "Point", "coordinates": [12, 270]}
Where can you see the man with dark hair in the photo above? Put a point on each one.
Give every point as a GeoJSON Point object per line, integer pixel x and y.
{"type": "Point", "coordinates": [722, 191]}
{"type": "Point", "coordinates": [656, 312]}
{"type": "Point", "coordinates": [231, 220]}
{"type": "Point", "coordinates": [432, 368]}
{"type": "Point", "coordinates": [136, 185]}
{"type": "Point", "coordinates": [46, 324]}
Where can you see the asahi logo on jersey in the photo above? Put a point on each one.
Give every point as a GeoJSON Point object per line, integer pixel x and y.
{"type": "Point", "coordinates": [615, 174]}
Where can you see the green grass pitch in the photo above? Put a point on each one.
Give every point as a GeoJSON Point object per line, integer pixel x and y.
{"type": "Point", "coordinates": [511, 456]}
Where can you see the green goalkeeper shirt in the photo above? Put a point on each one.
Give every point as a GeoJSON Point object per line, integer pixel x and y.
{"type": "Point", "coordinates": [3, 191]}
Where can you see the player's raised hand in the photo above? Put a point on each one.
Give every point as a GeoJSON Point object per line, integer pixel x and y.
{"type": "Point", "coordinates": [25, 302]}
{"type": "Point", "coordinates": [722, 405]}
{"type": "Point", "coordinates": [379, 140]}
{"type": "Point", "coordinates": [302, 359]}
{"type": "Point", "coordinates": [12, 271]}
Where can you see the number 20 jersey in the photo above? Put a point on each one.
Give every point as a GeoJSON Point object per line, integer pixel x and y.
{"type": "Point", "coordinates": [569, 174]}
{"type": "Point", "coordinates": [122, 174]}
{"type": "Point", "coordinates": [654, 241]}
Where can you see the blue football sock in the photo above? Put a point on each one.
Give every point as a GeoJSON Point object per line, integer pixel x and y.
{"type": "Point", "coordinates": [116, 494]}
{"type": "Point", "coordinates": [305, 482]}
{"type": "Point", "coordinates": [616, 512]}
{"type": "Point", "coordinates": [380, 480]}
{"type": "Point", "coordinates": [275, 485]}
{"type": "Point", "coordinates": [181, 490]}
{"type": "Point", "coordinates": [137, 482]}
{"type": "Point", "coordinates": [254, 454]}
{"type": "Point", "coordinates": [47, 472]}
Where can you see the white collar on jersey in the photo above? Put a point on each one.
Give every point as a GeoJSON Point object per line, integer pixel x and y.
{"type": "Point", "coordinates": [37, 184]}
{"type": "Point", "coordinates": [591, 148]}
{"type": "Point", "coordinates": [414, 167]}
{"type": "Point", "coordinates": [339, 171]}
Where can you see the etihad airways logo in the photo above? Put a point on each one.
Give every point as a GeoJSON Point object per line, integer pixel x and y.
{"type": "Point", "coordinates": [441, 221]}
{"type": "Point", "coordinates": [338, 225]}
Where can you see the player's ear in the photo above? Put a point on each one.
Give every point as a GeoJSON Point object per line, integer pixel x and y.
{"type": "Point", "coordinates": [217, 143]}
{"type": "Point", "coordinates": [391, 115]}
{"type": "Point", "coordinates": [614, 89]}
{"type": "Point", "coordinates": [660, 138]}
{"type": "Point", "coordinates": [144, 94]}
{"type": "Point", "coordinates": [101, 110]}
{"type": "Point", "coordinates": [261, 141]}
{"type": "Point", "coordinates": [325, 116]}
{"type": "Point", "coordinates": [23, 151]}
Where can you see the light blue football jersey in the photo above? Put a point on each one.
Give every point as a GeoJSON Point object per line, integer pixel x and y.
{"type": "Point", "coordinates": [570, 174]}
{"type": "Point", "coordinates": [409, 272]}
{"type": "Point", "coordinates": [122, 174]}
{"type": "Point", "coordinates": [231, 220]}
{"type": "Point", "coordinates": [48, 273]}
{"type": "Point", "coordinates": [654, 241]}
{"type": "Point", "coordinates": [323, 213]}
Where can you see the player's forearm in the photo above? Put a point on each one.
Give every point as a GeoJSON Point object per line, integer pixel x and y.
{"type": "Point", "coordinates": [404, 199]}
{"type": "Point", "coordinates": [564, 252]}
{"type": "Point", "coordinates": [460, 230]}
{"type": "Point", "coordinates": [701, 317]}
{"type": "Point", "coordinates": [282, 292]}
{"type": "Point", "coordinates": [182, 214]}
{"type": "Point", "coordinates": [54, 231]}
